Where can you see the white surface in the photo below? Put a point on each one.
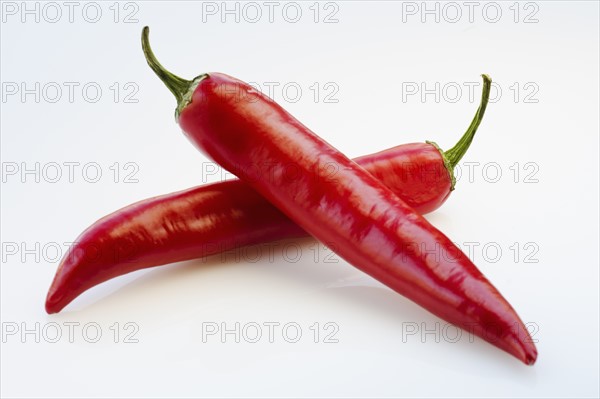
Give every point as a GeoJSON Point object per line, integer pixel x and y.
{"type": "Point", "coordinates": [370, 54]}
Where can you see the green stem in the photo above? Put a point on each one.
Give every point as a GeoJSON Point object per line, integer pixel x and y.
{"type": "Point", "coordinates": [178, 86]}
{"type": "Point", "coordinates": [455, 154]}
{"type": "Point", "coordinates": [181, 88]}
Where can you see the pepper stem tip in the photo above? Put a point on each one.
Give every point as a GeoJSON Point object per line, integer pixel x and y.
{"type": "Point", "coordinates": [455, 154]}
{"type": "Point", "coordinates": [178, 86]}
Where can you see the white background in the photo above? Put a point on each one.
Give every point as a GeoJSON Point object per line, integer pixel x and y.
{"type": "Point", "coordinates": [371, 55]}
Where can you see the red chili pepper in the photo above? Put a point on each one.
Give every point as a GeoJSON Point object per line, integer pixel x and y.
{"type": "Point", "coordinates": [368, 225]}
{"type": "Point", "coordinates": [214, 218]}
{"type": "Point", "coordinates": [211, 219]}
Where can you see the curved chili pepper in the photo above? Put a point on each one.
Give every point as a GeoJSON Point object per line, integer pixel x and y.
{"type": "Point", "coordinates": [368, 225]}
{"type": "Point", "coordinates": [214, 218]}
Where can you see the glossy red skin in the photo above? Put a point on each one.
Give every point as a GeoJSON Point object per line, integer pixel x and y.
{"type": "Point", "coordinates": [416, 174]}
{"type": "Point", "coordinates": [350, 211]}
{"type": "Point", "coordinates": [210, 219]}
